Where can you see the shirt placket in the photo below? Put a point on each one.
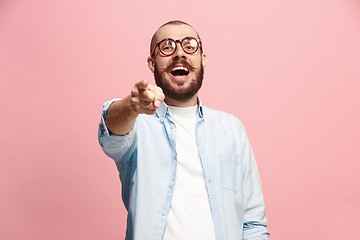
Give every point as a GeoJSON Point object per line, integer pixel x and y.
{"type": "Point", "coordinates": [170, 129]}
{"type": "Point", "coordinates": [210, 185]}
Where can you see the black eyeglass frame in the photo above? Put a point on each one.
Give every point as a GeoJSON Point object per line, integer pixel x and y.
{"type": "Point", "coordinates": [176, 42]}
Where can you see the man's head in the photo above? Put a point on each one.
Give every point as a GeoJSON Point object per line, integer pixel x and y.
{"type": "Point", "coordinates": [179, 74]}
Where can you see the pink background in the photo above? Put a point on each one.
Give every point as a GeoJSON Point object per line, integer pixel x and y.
{"type": "Point", "coordinates": [290, 70]}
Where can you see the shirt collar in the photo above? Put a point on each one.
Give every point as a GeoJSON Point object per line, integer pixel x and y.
{"type": "Point", "coordinates": [163, 111]}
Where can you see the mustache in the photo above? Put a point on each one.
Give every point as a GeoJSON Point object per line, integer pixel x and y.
{"type": "Point", "coordinates": [174, 63]}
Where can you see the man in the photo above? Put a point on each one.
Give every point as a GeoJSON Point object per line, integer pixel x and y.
{"type": "Point", "coordinates": [187, 171]}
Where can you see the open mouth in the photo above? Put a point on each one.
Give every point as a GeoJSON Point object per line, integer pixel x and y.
{"type": "Point", "coordinates": [179, 71]}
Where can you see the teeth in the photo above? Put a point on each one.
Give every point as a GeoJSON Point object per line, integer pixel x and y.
{"type": "Point", "coordinates": [180, 68]}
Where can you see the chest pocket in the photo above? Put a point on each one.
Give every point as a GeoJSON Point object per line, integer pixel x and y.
{"type": "Point", "coordinates": [231, 176]}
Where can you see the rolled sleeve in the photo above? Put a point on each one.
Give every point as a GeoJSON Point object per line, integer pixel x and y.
{"type": "Point", "coordinates": [117, 147]}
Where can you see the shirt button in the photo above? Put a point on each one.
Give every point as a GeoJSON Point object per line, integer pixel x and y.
{"type": "Point", "coordinates": [172, 126]}
{"type": "Point", "coordinates": [163, 213]}
{"type": "Point", "coordinates": [171, 184]}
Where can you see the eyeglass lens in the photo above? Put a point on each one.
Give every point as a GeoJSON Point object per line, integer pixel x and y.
{"type": "Point", "coordinates": [189, 45]}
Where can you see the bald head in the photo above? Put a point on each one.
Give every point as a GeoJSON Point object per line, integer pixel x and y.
{"type": "Point", "coordinates": [155, 37]}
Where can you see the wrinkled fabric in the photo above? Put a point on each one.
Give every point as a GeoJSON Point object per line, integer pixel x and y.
{"type": "Point", "coordinates": [146, 159]}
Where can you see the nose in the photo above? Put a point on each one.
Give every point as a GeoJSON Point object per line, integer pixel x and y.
{"type": "Point", "coordinates": [179, 52]}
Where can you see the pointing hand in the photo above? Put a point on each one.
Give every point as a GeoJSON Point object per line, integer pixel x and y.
{"type": "Point", "coordinates": [146, 98]}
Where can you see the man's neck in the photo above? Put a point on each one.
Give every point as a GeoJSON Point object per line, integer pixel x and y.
{"type": "Point", "coordinates": [188, 103]}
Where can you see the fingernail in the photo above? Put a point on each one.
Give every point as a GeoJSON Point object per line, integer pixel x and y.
{"type": "Point", "coordinates": [157, 103]}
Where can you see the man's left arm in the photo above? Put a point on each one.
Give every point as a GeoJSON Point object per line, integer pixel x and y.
{"type": "Point", "coordinates": [254, 207]}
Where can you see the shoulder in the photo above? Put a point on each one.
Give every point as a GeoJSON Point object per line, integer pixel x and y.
{"type": "Point", "coordinates": [223, 121]}
{"type": "Point", "coordinates": [216, 115]}
{"type": "Point", "coordinates": [225, 126]}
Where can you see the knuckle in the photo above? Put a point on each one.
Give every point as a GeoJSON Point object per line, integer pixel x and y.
{"type": "Point", "coordinates": [150, 95]}
{"type": "Point", "coordinates": [134, 100]}
{"type": "Point", "coordinates": [145, 94]}
{"type": "Point", "coordinates": [134, 91]}
{"type": "Point", "coordinates": [151, 87]}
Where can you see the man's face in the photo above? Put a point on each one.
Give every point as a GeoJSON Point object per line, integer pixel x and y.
{"type": "Point", "coordinates": [179, 75]}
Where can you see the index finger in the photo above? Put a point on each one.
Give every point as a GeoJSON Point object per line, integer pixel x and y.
{"type": "Point", "coordinates": [159, 98]}
{"type": "Point", "coordinates": [142, 85]}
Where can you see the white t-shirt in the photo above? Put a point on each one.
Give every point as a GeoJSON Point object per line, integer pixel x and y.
{"type": "Point", "coordinates": [189, 216]}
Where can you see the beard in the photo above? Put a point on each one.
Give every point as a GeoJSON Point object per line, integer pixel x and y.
{"type": "Point", "coordinates": [180, 94]}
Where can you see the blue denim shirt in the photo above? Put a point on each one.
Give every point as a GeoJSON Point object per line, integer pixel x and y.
{"type": "Point", "coordinates": [146, 159]}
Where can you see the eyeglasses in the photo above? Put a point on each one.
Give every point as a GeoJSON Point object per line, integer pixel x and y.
{"type": "Point", "coordinates": [168, 46]}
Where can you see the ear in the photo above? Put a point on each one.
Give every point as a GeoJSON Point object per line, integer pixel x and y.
{"type": "Point", "coordinates": [151, 63]}
{"type": "Point", "coordinates": [204, 59]}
